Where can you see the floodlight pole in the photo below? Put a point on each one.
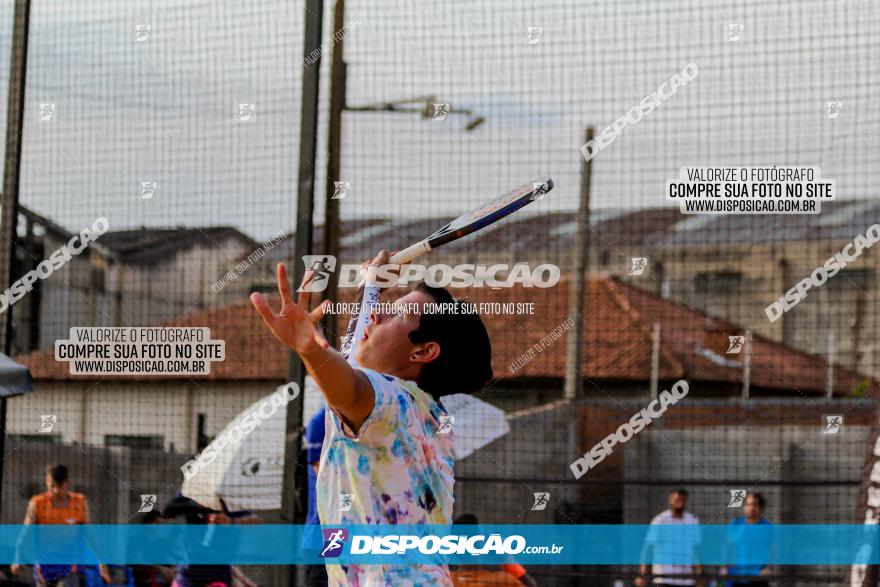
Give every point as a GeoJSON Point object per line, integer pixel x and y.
{"type": "Point", "coordinates": [11, 176]}
{"type": "Point", "coordinates": [332, 222]}
{"type": "Point", "coordinates": [314, 10]}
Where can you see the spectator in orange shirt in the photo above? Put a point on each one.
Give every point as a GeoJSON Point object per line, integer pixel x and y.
{"type": "Point", "coordinates": [511, 573]}
{"type": "Point", "coordinates": [58, 505]}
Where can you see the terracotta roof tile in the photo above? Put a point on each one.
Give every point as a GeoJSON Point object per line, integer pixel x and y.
{"type": "Point", "coordinates": [617, 342]}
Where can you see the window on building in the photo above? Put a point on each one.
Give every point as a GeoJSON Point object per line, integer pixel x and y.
{"type": "Point", "coordinates": [717, 281]}
{"type": "Point", "coordinates": [47, 438]}
{"type": "Point", "coordinates": [660, 280]}
{"type": "Point", "coordinates": [850, 278]}
{"type": "Point", "coordinates": [135, 441]}
{"type": "Point", "coordinates": [98, 275]}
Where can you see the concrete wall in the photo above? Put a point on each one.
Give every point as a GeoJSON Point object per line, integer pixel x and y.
{"type": "Point", "coordinates": [87, 411]}
{"type": "Point", "coordinates": [710, 447]}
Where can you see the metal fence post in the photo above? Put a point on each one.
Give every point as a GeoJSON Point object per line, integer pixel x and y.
{"type": "Point", "coordinates": [11, 174]}
{"type": "Point", "coordinates": [308, 140]}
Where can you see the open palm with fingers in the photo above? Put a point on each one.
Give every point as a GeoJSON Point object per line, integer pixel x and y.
{"type": "Point", "coordinates": [295, 326]}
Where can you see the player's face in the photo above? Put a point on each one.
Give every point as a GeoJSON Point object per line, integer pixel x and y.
{"type": "Point", "coordinates": [56, 489]}
{"type": "Point", "coordinates": [677, 502]}
{"type": "Point", "coordinates": [386, 346]}
{"type": "Point", "coordinates": [752, 508]}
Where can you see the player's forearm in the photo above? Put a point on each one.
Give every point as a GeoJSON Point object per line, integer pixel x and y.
{"type": "Point", "coordinates": [29, 518]}
{"type": "Point", "coordinates": [332, 374]}
{"type": "Point", "coordinates": [347, 390]}
{"type": "Point", "coordinates": [645, 557]}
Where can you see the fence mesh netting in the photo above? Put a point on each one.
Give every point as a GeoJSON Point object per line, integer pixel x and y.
{"type": "Point", "coordinates": [179, 124]}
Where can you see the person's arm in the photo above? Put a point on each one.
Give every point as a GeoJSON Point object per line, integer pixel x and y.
{"type": "Point", "coordinates": [729, 547]}
{"type": "Point", "coordinates": [347, 390]}
{"type": "Point", "coordinates": [30, 518]}
{"type": "Point", "coordinates": [239, 578]}
{"type": "Point", "coordinates": [698, 568]}
{"type": "Point", "coordinates": [645, 556]}
{"type": "Point", "coordinates": [518, 572]}
{"type": "Point", "coordinates": [644, 569]}
{"type": "Point", "coordinates": [102, 568]}
{"type": "Point", "coordinates": [771, 535]}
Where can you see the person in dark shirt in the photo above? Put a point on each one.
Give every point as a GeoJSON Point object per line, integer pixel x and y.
{"type": "Point", "coordinates": [755, 549]}
{"type": "Point", "coordinates": [150, 575]}
{"type": "Point", "coordinates": [207, 575]}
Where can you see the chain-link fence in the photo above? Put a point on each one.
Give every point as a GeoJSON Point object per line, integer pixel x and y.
{"type": "Point", "coordinates": [179, 125]}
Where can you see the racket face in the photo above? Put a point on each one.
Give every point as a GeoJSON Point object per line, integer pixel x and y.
{"type": "Point", "coordinates": [491, 211]}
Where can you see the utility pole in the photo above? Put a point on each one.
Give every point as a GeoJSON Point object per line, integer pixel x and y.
{"type": "Point", "coordinates": [747, 364]}
{"type": "Point", "coordinates": [857, 329]}
{"type": "Point", "coordinates": [574, 377]}
{"type": "Point", "coordinates": [332, 223]}
{"type": "Point", "coordinates": [655, 359]}
{"type": "Point", "coordinates": [829, 375]}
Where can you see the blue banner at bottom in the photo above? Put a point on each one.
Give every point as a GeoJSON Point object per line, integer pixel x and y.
{"type": "Point", "coordinates": [172, 544]}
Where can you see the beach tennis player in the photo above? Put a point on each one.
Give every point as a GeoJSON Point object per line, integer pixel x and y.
{"type": "Point", "coordinates": [382, 454]}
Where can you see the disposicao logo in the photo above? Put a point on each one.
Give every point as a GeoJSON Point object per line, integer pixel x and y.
{"type": "Point", "coordinates": [334, 541]}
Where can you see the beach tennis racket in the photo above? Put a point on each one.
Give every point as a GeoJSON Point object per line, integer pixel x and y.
{"type": "Point", "coordinates": [477, 219]}
{"type": "Point", "coordinates": [468, 223]}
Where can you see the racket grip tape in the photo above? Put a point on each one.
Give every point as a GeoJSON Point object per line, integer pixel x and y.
{"type": "Point", "coordinates": [409, 253]}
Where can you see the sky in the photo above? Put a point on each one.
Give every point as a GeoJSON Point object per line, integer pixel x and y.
{"type": "Point", "coordinates": [166, 109]}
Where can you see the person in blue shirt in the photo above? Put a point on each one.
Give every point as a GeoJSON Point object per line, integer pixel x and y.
{"type": "Point", "coordinates": [316, 575]}
{"type": "Point", "coordinates": [751, 550]}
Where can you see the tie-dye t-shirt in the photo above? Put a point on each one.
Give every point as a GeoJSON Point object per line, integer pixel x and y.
{"type": "Point", "coordinates": [397, 469]}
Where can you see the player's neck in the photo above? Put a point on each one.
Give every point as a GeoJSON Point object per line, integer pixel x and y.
{"type": "Point", "coordinates": [61, 498]}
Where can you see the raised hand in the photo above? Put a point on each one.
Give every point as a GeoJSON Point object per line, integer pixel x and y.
{"type": "Point", "coordinates": [295, 326]}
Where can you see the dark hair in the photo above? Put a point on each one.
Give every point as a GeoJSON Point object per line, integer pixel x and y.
{"type": "Point", "coordinates": [58, 473]}
{"type": "Point", "coordinates": [681, 491]}
{"type": "Point", "coordinates": [150, 517]}
{"type": "Point", "coordinates": [193, 511]}
{"type": "Point", "coordinates": [759, 497]}
{"type": "Point", "coordinates": [465, 361]}
{"type": "Point", "coordinates": [465, 519]}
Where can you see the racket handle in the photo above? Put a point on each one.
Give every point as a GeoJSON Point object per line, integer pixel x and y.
{"type": "Point", "coordinates": [410, 253]}
{"type": "Point", "coordinates": [406, 255]}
